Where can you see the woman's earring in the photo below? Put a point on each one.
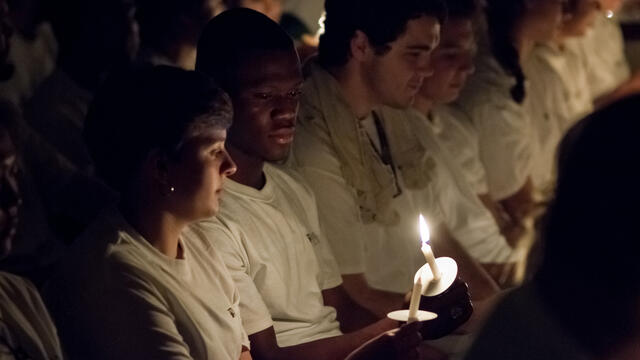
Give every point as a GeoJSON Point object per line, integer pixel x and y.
{"type": "Point", "coordinates": [172, 189]}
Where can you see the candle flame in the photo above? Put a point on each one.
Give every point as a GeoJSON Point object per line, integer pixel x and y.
{"type": "Point", "coordinates": [424, 230]}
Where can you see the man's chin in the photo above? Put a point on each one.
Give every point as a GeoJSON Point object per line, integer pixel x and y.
{"type": "Point", "coordinates": [279, 157]}
{"type": "Point", "coordinates": [401, 103]}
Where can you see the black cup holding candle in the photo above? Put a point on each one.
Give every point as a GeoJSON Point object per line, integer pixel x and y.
{"type": "Point", "coordinates": [453, 306]}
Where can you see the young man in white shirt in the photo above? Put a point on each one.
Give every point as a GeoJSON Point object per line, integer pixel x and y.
{"type": "Point", "coordinates": [454, 142]}
{"type": "Point", "coordinates": [368, 204]}
{"type": "Point", "coordinates": [292, 301]}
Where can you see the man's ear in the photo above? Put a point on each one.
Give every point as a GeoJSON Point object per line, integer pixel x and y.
{"type": "Point", "coordinates": [360, 47]}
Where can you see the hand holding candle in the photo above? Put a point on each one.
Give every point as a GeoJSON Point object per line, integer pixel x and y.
{"type": "Point", "coordinates": [426, 248]}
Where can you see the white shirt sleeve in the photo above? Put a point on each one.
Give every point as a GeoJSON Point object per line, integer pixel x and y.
{"type": "Point", "coordinates": [338, 209]}
{"type": "Point", "coordinates": [503, 126]}
{"type": "Point", "coordinates": [505, 145]}
{"type": "Point", "coordinates": [254, 312]}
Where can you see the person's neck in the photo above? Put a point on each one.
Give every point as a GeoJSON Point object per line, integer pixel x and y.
{"type": "Point", "coordinates": [354, 90]}
{"type": "Point", "coordinates": [423, 105]}
{"type": "Point", "coordinates": [522, 43]}
{"type": "Point", "coordinates": [160, 228]}
{"type": "Point", "coordinates": [249, 168]}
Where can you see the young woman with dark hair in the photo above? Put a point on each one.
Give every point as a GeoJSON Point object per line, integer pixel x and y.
{"type": "Point", "coordinates": [496, 97]}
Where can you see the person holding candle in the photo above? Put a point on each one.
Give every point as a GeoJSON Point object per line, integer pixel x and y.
{"type": "Point", "coordinates": [369, 193]}
{"type": "Point", "coordinates": [447, 138]}
{"type": "Point", "coordinates": [292, 301]}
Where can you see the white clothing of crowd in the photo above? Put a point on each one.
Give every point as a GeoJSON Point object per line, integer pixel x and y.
{"type": "Point", "coordinates": [265, 259]}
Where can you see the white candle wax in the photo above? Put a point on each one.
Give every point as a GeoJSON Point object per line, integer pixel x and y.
{"type": "Point", "coordinates": [414, 304]}
{"type": "Point", "coordinates": [425, 235]}
{"type": "Point", "coordinates": [431, 260]}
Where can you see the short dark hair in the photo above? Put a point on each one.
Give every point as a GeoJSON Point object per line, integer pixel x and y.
{"type": "Point", "coordinates": [146, 108]}
{"type": "Point", "coordinates": [461, 9]}
{"type": "Point", "coordinates": [234, 36]}
{"type": "Point", "coordinates": [381, 20]}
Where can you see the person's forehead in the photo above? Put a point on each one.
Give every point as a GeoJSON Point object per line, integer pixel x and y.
{"type": "Point", "coordinates": [456, 32]}
{"type": "Point", "coordinates": [207, 136]}
{"type": "Point", "coordinates": [270, 66]}
{"type": "Point", "coordinates": [423, 32]}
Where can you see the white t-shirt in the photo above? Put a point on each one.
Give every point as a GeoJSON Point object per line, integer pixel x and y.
{"type": "Point", "coordinates": [118, 297]}
{"type": "Point", "coordinates": [272, 244]}
{"type": "Point", "coordinates": [458, 136]}
{"type": "Point", "coordinates": [603, 51]}
{"type": "Point", "coordinates": [25, 325]}
{"type": "Point", "coordinates": [503, 126]}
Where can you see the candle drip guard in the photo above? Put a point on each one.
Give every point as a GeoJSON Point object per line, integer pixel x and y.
{"type": "Point", "coordinates": [447, 298]}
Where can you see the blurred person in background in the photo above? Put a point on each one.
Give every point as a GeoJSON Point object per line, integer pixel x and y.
{"type": "Point", "coordinates": [584, 300]}
{"type": "Point", "coordinates": [26, 330]}
{"type": "Point", "coordinates": [94, 38]}
{"type": "Point", "coordinates": [169, 30]}
{"type": "Point", "coordinates": [33, 52]}
{"type": "Point", "coordinates": [496, 98]}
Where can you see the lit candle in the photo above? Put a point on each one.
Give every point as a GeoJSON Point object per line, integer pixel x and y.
{"type": "Point", "coordinates": [414, 304]}
{"type": "Point", "coordinates": [426, 248]}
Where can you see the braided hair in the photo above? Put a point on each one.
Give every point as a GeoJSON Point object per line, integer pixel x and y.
{"type": "Point", "coordinates": [502, 17]}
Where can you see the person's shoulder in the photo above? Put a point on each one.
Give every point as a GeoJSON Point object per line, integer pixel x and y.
{"type": "Point", "coordinates": [15, 287]}
{"type": "Point", "coordinates": [290, 181]}
{"type": "Point", "coordinates": [108, 245]}
{"type": "Point", "coordinates": [222, 231]}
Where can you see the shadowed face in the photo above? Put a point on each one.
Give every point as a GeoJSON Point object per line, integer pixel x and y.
{"type": "Point", "coordinates": [452, 62]}
{"type": "Point", "coordinates": [266, 105]}
{"type": "Point", "coordinates": [395, 77]}
{"type": "Point", "coordinates": [581, 18]}
{"type": "Point", "coordinates": [197, 175]}
{"type": "Point", "coordinates": [542, 19]}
